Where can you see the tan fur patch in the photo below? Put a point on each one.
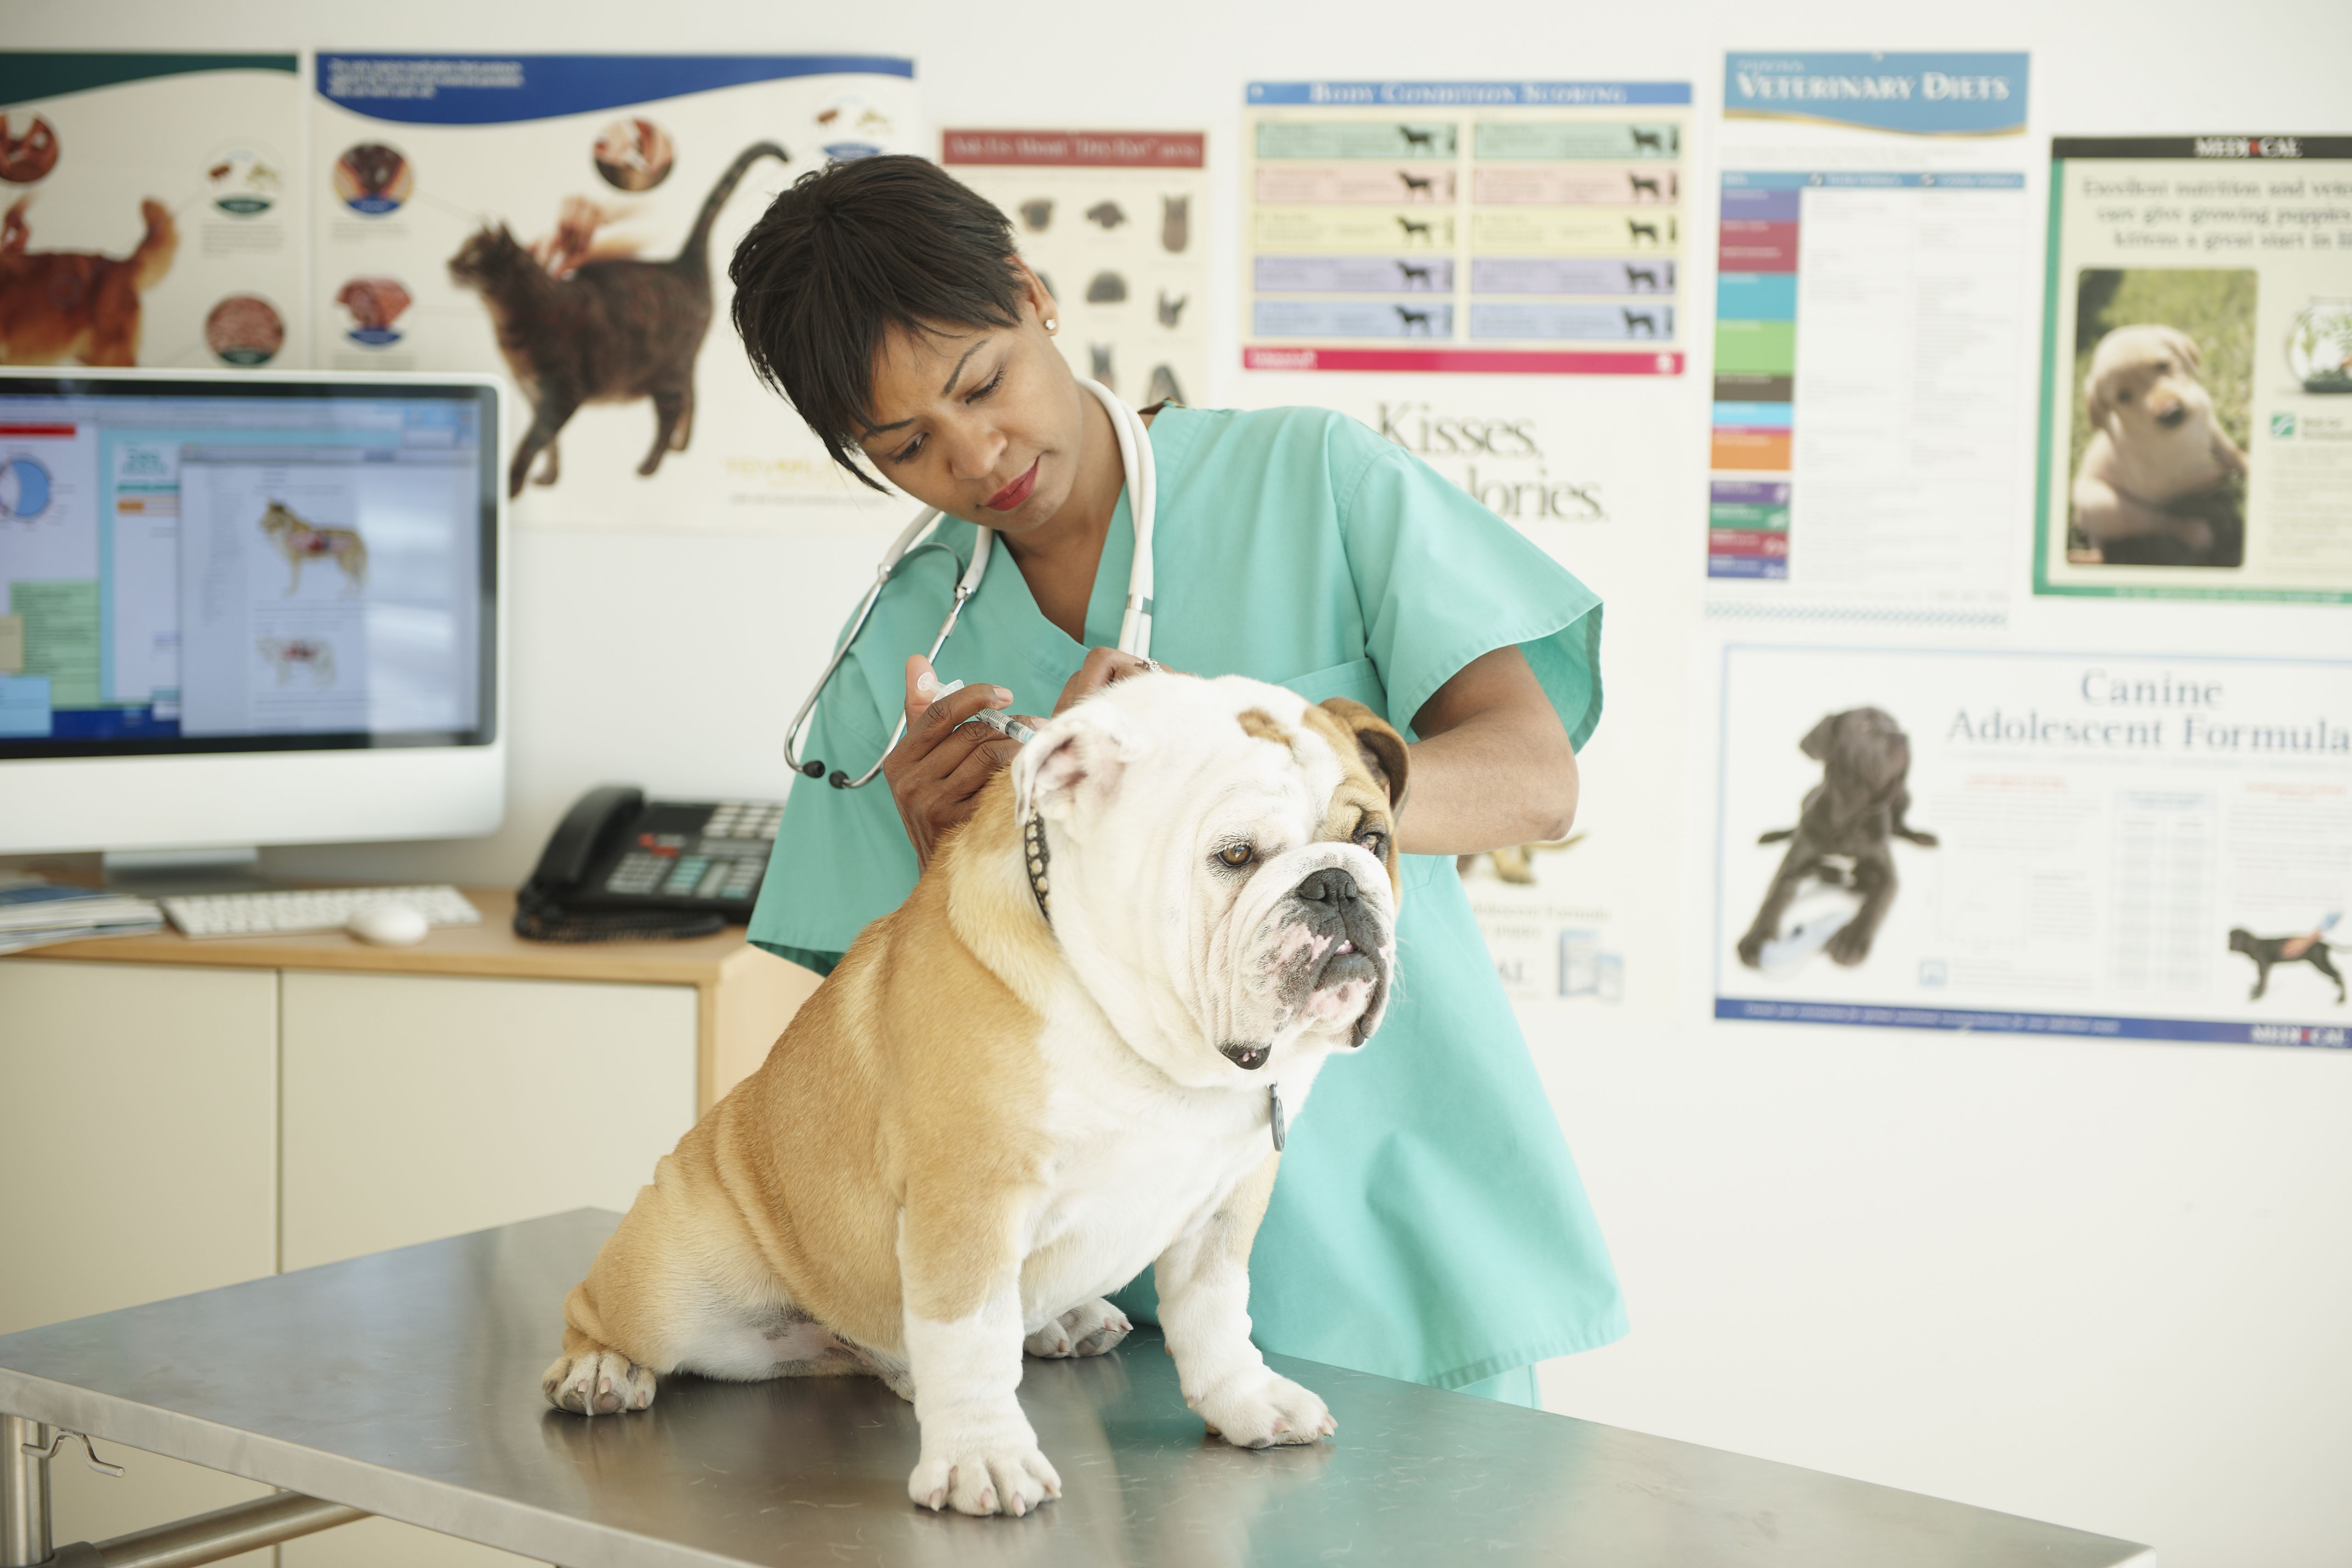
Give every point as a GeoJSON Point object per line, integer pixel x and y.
{"type": "Point", "coordinates": [1261, 725]}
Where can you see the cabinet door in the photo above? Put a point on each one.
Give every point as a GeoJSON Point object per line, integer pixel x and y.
{"type": "Point", "coordinates": [418, 1107]}
{"type": "Point", "coordinates": [139, 1112]}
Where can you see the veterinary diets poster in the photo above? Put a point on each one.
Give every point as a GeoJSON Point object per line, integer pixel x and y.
{"type": "Point", "coordinates": [151, 210]}
{"type": "Point", "coordinates": [1112, 220]}
{"type": "Point", "coordinates": [2197, 369]}
{"type": "Point", "coordinates": [568, 220]}
{"type": "Point", "coordinates": [1480, 226]}
{"type": "Point", "coordinates": [2084, 844]}
{"type": "Point", "coordinates": [1873, 333]}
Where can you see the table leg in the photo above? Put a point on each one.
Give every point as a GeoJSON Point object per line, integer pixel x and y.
{"type": "Point", "coordinates": [24, 1492]}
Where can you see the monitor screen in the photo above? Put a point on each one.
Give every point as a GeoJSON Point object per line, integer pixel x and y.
{"type": "Point", "coordinates": [230, 565]}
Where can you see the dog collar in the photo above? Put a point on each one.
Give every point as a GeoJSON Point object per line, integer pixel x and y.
{"type": "Point", "coordinates": [1035, 856]}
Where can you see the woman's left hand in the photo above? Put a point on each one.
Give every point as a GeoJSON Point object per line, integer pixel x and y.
{"type": "Point", "coordinates": [1103, 666]}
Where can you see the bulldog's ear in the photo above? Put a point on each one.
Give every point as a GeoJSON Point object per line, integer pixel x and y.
{"type": "Point", "coordinates": [1078, 756]}
{"type": "Point", "coordinates": [1382, 747]}
{"type": "Point", "coordinates": [1816, 744]}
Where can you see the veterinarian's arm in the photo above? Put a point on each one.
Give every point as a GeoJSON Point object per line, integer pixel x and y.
{"type": "Point", "coordinates": [1493, 766]}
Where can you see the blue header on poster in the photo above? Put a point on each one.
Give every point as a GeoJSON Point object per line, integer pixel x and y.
{"type": "Point", "coordinates": [1924, 95]}
{"type": "Point", "coordinates": [1470, 94]}
{"type": "Point", "coordinates": [496, 89]}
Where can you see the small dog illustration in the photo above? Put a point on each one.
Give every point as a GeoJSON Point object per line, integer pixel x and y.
{"type": "Point", "coordinates": [1415, 277]}
{"type": "Point", "coordinates": [1645, 183]}
{"type": "Point", "coordinates": [1671, 142]}
{"type": "Point", "coordinates": [1515, 863]}
{"type": "Point", "coordinates": [1175, 224]}
{"type": "Point", "coordinates": [299, 540]}
{"type": "Point", "coordinates": [77, 304]}
{"type": "Point", "coordinates": [1844, 831]}
{"type": "Point", "coordinates": [1412, 321]}
{"type": "Point", "coordinates": [1637, 231]}
{"type": "Point", "coordinates": [1108, 215]}
{"type": "Point", "coordinates": [1418, 184]}
{"type": "Point", "coordinates": [1423, 140]}
{"type": "Point", "coordinates": [1639, 278]}
{"type": "Point", "coordinates": [1639, 323]}
{"type": "Point", "coordinates": [1038, 214]}
{"type": "Point", "coordinates": [1413, 230]}
{"type": "Point", "coordinates": [1170, 310]}
{"type": "Point", "coordinates": [290, 654]}
{"type": "Point", "coordinates": [2265, 951]}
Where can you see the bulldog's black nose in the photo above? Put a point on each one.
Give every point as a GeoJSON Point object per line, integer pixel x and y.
{"type": "Point", "coordinates": [1332, 885]}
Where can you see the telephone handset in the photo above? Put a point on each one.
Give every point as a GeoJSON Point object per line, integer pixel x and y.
{"type": "Point", "coordinates": [620, 866]}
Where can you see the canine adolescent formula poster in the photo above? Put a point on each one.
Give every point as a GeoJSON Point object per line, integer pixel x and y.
{"type": "Point", "coordinates": [2197, 369]}
{"type": "Point", "coordinates": [151, 210]}
{"type": "Point", "coordinates": [567, 220]}
{"type": "Point", "coordinates": [1873, 334]}
{"type": "Point", "coordinates": [2086, 843]}
{"type": "Point", "coordinates": [1463, 226]}
{"type": "Point", "coordinates": [1113, 221]}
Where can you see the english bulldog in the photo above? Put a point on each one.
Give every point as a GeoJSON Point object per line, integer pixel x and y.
{"type": "Point", "coordinates": [1071, 1053]}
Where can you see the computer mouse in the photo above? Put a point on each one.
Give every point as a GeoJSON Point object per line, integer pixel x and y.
{"type": "Point", "coordinates": [390, 925]}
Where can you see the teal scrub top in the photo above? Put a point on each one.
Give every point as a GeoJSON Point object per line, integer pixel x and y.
{"type": "Point", "coordinates": [1428, 1222]}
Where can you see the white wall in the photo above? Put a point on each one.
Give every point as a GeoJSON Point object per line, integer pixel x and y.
{"type": "Point", "coordinates": [2105, 1284]}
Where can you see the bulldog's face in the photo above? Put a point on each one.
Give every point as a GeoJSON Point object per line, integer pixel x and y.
{"type": "Point", "coordinates": [1222, 868]}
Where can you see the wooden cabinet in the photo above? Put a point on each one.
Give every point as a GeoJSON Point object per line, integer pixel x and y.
{"type": "Point", "coordinates": [186, 1115]}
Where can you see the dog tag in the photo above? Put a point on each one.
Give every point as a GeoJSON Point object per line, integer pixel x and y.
{"type": "Point", "coordinates": [1273, 1105]}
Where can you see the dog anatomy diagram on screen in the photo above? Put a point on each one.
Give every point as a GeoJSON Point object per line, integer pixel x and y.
{"type": "Point", "coordinates": [1844, 833]}
{"type": "Point", "coordinates": [2269, 951]}
{"type": "Point", "coordinates": [613, 331]}
{"type": "Point", "coordinates": [301, 541]}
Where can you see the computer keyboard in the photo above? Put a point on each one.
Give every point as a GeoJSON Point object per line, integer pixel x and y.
{"type": "Point", "coordinates": [309, 909]}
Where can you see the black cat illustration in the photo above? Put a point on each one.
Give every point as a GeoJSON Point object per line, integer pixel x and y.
{"type": "Point", "coordinates": [614, 331]}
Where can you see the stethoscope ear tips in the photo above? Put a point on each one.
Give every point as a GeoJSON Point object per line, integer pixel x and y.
{"type": "Point", "coordinates": [813, 768]}
{"type": "Point", "coordinates": [839, 780]}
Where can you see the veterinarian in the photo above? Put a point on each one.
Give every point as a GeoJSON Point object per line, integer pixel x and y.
{"type": "Point", "coordinates": [1428, 1224]}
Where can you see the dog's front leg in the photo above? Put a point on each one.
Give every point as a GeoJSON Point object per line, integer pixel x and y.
{"type": "Point", "coordinates": [1203, 1281]}
{"type": "Point", "coordinates": [1766, 926]}
{"type": "Point", "coordinates": [959, 1273]}
{"type": "Point", "coordinates": [1874, 877]}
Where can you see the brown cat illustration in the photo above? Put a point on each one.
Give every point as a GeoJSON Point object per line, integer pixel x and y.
{"type": "Point", "coordinates": [613, 331]}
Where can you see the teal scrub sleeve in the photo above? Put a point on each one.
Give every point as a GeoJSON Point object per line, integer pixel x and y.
{"type": "Point", "coordinates": [1441, 580]}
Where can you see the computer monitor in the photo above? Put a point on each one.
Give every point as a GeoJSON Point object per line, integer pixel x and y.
{"type": "Point", "coordinates": [243, 609]}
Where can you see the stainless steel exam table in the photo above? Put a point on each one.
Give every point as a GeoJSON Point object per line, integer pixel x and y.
{"type": "Point", "coordinates": [406, 1384]}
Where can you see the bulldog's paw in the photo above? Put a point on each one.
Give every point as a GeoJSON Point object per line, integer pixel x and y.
{"type": "Point", "coordinates": [597, 1382]}
{"type": "Point", "coordinates": [982, 1469]}
{"type": "Point", "coordinates": [1088, 1329]}
{"type": "Point", "coordinates": [1262, 1409]}
{"type": "Point", "coordinates": [1848, 946]}
{"type": "Point", "coordinates": [1751, 948]}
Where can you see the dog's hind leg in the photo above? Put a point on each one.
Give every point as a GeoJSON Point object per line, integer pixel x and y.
{"type": "Point", "coordinates": [2318, 957]}
{"type": "Point", "coordinates": [685, 431]}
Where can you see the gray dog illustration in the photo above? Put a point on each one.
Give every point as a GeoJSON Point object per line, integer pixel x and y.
{"type": "Point", "coordinates": [1844, 831]}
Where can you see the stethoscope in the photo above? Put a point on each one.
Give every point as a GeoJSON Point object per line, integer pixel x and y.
{"type": "Point", "coordinates": [1134, 626]}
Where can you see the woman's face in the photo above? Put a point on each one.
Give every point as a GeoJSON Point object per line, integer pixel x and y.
{"type": "Point", "coordinates": [986, 423]}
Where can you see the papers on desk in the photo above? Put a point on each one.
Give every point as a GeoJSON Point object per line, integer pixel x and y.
{"type": "Point", "coordinates": [34, 914]}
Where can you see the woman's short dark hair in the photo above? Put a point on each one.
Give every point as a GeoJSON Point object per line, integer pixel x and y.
{"type": "Point", "coordinates": [848, 253]}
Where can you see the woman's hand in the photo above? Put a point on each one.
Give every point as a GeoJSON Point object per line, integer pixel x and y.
{"type": "Point", "coordinates": [937, 769]}
{"type": "Point", "coordinates": [1103, 666]}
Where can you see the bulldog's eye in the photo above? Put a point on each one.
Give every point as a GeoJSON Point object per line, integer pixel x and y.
{"type": "Point", "coordinates": [1237, 855]}
{"type": "Point", "coordinates": [1374, 840]}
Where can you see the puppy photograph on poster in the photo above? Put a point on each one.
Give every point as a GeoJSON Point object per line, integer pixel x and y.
{"type": "Point", "coordinates": [2163, 360]}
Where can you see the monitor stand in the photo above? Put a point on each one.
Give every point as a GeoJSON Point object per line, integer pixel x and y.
{"type": "Point", "coordinates": [167, 873]}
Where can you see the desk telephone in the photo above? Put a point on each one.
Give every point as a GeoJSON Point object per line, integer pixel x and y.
{"type": "Point", "coordinates": [620, 867]}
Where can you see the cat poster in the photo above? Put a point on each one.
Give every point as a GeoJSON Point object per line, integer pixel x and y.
{"type": "Point", "coordinates": [121, 247]}
{"type": "Point", "coordinates": [566, 220]}
{"type": "Point", "coordinates": [1112, 220]}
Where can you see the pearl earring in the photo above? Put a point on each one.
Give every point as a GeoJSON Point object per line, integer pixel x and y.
{"type": "Point", "coordinates": [1051, 324]}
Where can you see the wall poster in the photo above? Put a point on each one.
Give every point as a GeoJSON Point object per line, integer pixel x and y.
{"type": "Point", "coordinates": [567, 219]}
{"type": "Point", "coordinates": [1480, 226]}
{"type": "Point", "coordinates": [2109, 845]}
{"type": "Point", "coordinates": [2197, 369]}
{"type": "Point", "coordinates": [1112, 220]}
{"type": "Point", "coordinates": [1873, 322]}
{"type": "Point", "coordinates": [122, 246]}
